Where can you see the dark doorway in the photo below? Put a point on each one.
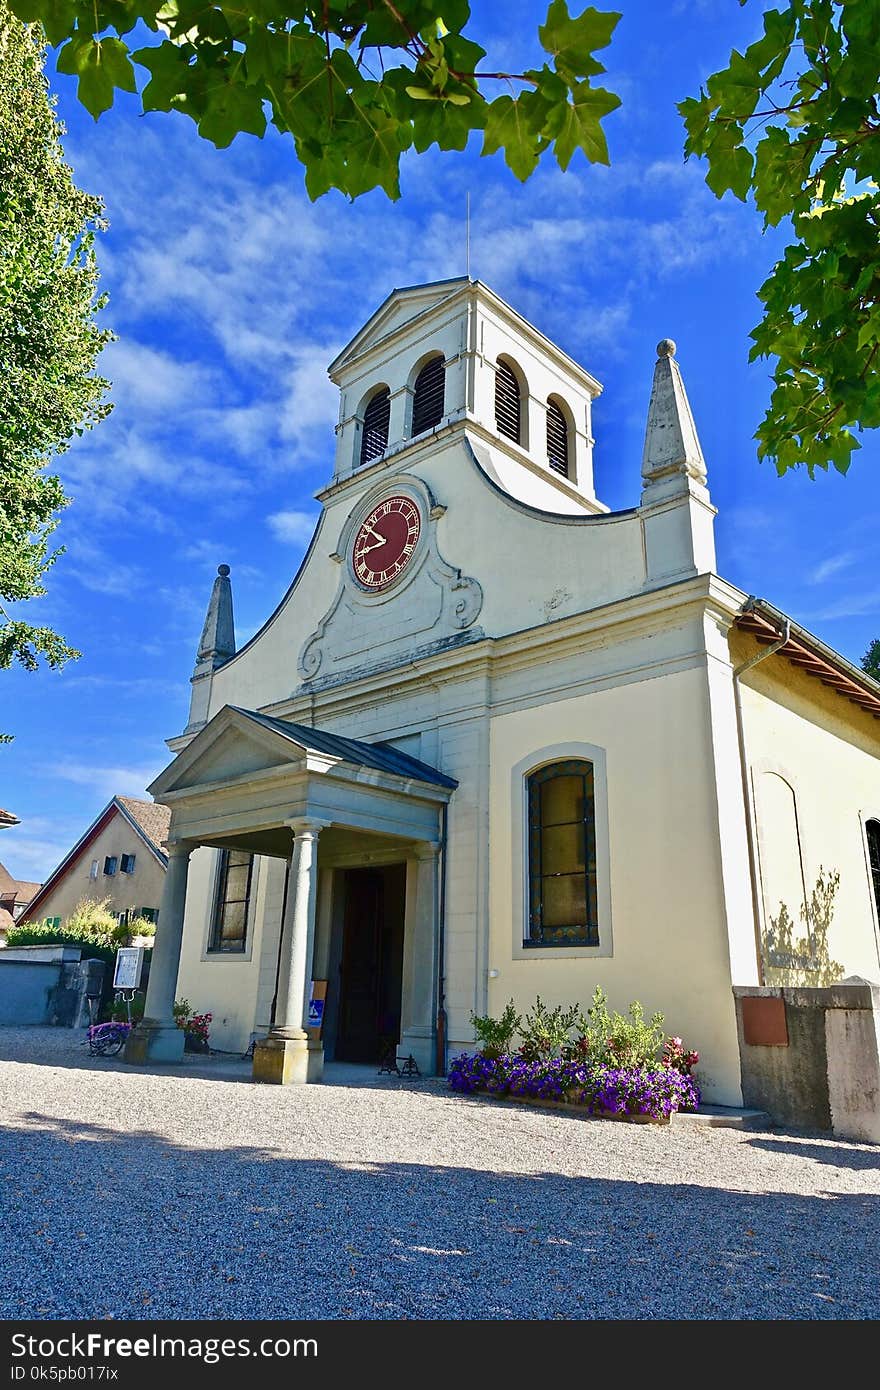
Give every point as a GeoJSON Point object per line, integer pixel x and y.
{"type": "Point", "coordinates": [371, 970]}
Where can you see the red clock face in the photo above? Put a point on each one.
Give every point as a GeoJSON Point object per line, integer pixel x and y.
{"type": "Point", "coordinates": [386, 541]}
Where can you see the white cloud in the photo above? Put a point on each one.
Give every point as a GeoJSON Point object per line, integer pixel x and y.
{"type": "Point", "coordinates": [293, 527]}
{"type": "Point", "coordinates": [832, 566]}
{"type": "Point", "coordinates": [103, 780]}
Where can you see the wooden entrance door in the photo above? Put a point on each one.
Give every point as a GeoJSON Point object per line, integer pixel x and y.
{"type": "Point", "coordinates": [359, 984]}
{"type": "Point", "coordinates": [371, 966]}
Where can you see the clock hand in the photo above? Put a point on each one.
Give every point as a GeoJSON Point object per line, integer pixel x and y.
{"type": "Point", "coordinates": [377, 545]}
{"type": "Point", "coordinates": [374, 532]}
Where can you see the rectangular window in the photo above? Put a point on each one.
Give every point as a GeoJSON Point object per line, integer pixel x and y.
{"type": "Point", "coordinates": [563, 907]}
{"type": "Point", "coordinates": [110, 865]}
{"type": "Point", "coordinates": [93, 871]}
{"type": "Point", "coordinates": [52, 921]}
{"type": "Point", "coordinates": [229, 928]}
{"type": "Point", "coordinates": [149, 914]}
{"type": "Point", "coordinates": [127, 865]}
{"type": "Point", "coordinates": [873, 832]}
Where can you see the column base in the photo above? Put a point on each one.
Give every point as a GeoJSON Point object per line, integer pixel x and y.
{"type": "Point", "coordinates": [154, 1041]}
{"type": "Point", "coordinates": [422, 1048]}
{"type": "Point", "coordinates": [288, 1061]}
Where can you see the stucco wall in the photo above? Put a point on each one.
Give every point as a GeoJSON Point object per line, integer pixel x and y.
{"type": "Point", "coordinates": [224, 984]}
{"type": "Point", "coordinates": [143, 888]}
{"type": "Point", "coordinates": [667, 919]}
{"type": "Point", "coordinates": [806, 738]}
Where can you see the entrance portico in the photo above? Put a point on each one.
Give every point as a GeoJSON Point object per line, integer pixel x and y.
{"type": "Point", "coordinates": [322, 803]}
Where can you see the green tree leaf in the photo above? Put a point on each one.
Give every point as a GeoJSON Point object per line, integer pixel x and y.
{"type": "Point", "coordinates": [101, 65]}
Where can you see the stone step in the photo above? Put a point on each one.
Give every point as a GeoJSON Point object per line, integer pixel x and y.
{"type": "Point", "coordinates": [725, 1117]}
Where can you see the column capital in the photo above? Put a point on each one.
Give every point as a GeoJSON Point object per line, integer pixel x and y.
{"type": "Point", "coordinates": [306, 827]}
{"type": "Point", "coordinates": [426, 849]}
{"type": "Point", "coordinates": [179, 849]}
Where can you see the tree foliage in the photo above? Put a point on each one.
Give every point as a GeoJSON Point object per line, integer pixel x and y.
{"type": "Point", "coordinates": [871, 660]}
{"type": "Point", "coordinates": [49, 340]}
{"type": "Point", "coordinates": [355, 82]}
{"type": "Point", "coordinates": [793, 122]}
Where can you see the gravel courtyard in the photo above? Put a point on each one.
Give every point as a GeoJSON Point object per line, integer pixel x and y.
{"type": "Point", "coordinates": [194, 1194]}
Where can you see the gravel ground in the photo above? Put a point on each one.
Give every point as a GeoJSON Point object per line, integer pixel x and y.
{"type": "Point", "coordinates": [193, 1194]}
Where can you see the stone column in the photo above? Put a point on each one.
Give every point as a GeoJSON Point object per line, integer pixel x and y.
{"type": "Point", "coordinates": [419, 1001]}
{"type": "Point", "coordinates": [157, 1037]}
{"type": "Point", "coordinates": [288, 1055]}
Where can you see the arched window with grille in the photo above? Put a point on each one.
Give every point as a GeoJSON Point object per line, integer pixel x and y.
{"type": "Point", "coordinates": [429, 396]}
{"type": "Point", "coordinates": [508, 402]}
{"type": "Point", "coordinates": [557, 438]}
{"type": "Point", "coordinates": [872, 833]}
{"type": "Point", "coordinates": [563, 903]}
{"type": "Point", "coordinates": [374, 435]}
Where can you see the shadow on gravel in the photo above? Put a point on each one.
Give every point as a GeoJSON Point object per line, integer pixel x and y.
{"type": "Point", "coordinates": [101, 1223]}
{"type": "Point", "coordinates": [835, 1152]}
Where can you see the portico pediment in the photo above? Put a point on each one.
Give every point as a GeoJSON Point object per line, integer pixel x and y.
{"type": "Point", "coordinates": [232, 747]}
{"type": "Point", "coordinates": [399, 309]}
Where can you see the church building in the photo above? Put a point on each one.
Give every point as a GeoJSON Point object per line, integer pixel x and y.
{"type": "Point", "coordinates": [498, 741]}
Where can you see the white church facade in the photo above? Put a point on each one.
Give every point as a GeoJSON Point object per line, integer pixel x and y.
{"type": "Point", "coordinates": [498, 741]}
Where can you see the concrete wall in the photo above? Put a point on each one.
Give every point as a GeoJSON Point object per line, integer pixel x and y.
{"type": "Point", "coordinates": [143, 888]}
{"type": "Point", "coordinates": [827, 1076]}
{"type": "Point", "coordinates": [26, 989]}
{"type": "Point", "coordinates": [814, 778]}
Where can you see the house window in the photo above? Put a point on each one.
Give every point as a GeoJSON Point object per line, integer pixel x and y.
{"type": "Point", "coordinates": [127, 865]}
{"type": "Point", "coordinates": [52, 922]}
{"type": "Point", "coordinates": [563, 907]}
{"type": "Point", "coordinates": [93, 871]}
{"type": "Point", "coordinates": [149, 914]}
{"type": "Point", "coordinates": [374, 435]}
{"type": "Point", "coordinates": [429, 396]}
{"type": "Point", "coordinates": [508, 406]}
{"type": "Point", "coordinates": [229, 928]}
{"type": "Point", "coordinates": [110, 864]}
{"type": "Point", "coordinates": [557, 438]}
{"type": "Point", "coordinates": [872, 831]}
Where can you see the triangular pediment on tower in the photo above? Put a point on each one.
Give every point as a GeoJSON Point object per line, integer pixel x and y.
{"type": "Point", "coordinates": [400, 308]}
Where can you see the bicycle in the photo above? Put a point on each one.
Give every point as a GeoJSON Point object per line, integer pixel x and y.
{"type": "Point", "coordinates": [107, 1039]}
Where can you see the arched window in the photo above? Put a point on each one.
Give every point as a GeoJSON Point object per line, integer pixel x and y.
{"type": "Point", "coordinates": [872, 831]}
{"type": "Point", "coordinates": [374, 436]}
{"type": "Point", "coordinates": [429, 396]}
{"type": "Point", "coordinates": [563, 907]}
{"type": "Point", "coordinates": [557, 438]}
{"type": "Point", "coordinates": [508, 408]}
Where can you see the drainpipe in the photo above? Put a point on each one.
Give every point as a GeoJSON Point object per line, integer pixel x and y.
{"type": "Point", "coordinates": [737, 673]}
{"type": "Point", "coordinates": [441, 951]}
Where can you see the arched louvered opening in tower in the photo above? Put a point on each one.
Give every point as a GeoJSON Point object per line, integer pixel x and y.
{"type": "Point", "coordinates": [508, 407]}
{"type": "Point", "coordinates": [374, 436]}
{"type": "Point", "coordinates": [557, 438]}
{"type": "Point", "coordinates": [429, 396]}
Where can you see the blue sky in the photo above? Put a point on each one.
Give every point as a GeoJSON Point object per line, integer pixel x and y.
{"type": "Point", "coordinates": [230, 293]}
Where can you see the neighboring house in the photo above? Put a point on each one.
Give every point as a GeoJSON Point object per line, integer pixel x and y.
{"type": "Point", "coordinates": [15, 894]}
{"type": "Point", "coordinates": [7, 819]}
{"type": "Point", "coordinates": [497, 741]}
{"type": "Point", "coordinates": [120, 857]}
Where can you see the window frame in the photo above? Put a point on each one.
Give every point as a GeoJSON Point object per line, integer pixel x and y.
{"type": "Point", "coordinates": [216, 899]}
{"type": "Point", "coordinates": [567, 934]}
{"type": "Point", "coordinates": [129, 860]}
{"type": "Point", "coordinates": [422, 365]}
{"type": "Point", "coordinates": [521, 439]}
{"type": "Point", "coordinates": [114, 860]}
{"type": "Point", "coordinates": [867, 818]}
{"type": "Point", "coordinates": [519, 813]}
{"type": "Point", "coordinates": [377, 392]}
{"type": "Point", "coordinates": [559, 405]}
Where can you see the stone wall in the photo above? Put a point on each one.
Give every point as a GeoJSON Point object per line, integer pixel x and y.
{"type": "Point", "coordinates": [811, 1057]}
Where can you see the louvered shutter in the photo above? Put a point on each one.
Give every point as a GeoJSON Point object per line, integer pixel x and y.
{"type": "Point", "coordinates": [507, 402]}
{"type": "Point", "coordinates": [429, 396]}
{"type": "Point", "coordinates": [374, 439]}
{"type": "Point", "coordinates": [557, 439]}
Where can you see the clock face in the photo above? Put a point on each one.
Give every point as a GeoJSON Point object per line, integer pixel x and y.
{"type": "Point", "coordinates": [385, 542]}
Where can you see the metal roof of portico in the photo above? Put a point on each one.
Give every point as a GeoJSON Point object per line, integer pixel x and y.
{"type": "Point", "coordinates": [381, 756]}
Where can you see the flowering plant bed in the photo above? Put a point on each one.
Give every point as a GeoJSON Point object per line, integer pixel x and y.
{"type": "Point", "coordinates": [630, 1093]}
